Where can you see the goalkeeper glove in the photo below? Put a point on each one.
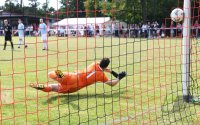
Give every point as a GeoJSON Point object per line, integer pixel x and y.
{"type": "Point", "coordinates": [121, 75]}
{"type": "Point", "coordinates": [114, 74]}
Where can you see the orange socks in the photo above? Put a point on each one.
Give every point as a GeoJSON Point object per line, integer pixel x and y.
{"type": "Point", "coordinates": [47, 89]}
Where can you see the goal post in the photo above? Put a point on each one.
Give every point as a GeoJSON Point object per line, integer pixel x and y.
{"type": "Point", "coordinates": [186, 51]}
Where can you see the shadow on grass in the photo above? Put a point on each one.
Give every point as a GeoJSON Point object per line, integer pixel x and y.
{"type": "Point", "coordinates": [79, 96]}
{"type": "Point", "coordinates": [172, 106]}
{"type": "Point", "coordinates": [177, 110]}
{"type": "Point", "coordinates": [5, 60]}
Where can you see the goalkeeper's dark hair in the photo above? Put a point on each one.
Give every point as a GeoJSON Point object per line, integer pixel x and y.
{"type": "Point", "coordinates": [104, 63]}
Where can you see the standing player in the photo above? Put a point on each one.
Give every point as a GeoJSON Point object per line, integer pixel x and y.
{"type": "Point", "coordinates": [21, 33]}
{"type": "Point", "coordinates": [69, 82]}
{"type": "Point", "coordinates": [8, 34]}
{"type": "Point", "coordinates": [43, 32]}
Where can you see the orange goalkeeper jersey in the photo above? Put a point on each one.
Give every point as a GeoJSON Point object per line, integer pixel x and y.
{"type": "Point", "coordinates": [72, 82]}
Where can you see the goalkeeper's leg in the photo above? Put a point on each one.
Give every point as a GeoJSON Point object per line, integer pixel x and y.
{"type": "Point", "coordinates": [46, 87]}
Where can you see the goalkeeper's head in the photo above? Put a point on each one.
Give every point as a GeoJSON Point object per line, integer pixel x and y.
{"type": "Point", "coordinates": [104, 63]}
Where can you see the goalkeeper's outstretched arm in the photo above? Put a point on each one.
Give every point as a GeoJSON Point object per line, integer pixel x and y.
{"type": "Point", "coordinates": [112, 82]}
{"type": "Point", "coordinates": [119, 76]}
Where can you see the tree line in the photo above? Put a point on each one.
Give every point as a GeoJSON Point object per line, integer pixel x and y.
{"type": "Point", "coordinates": [129, 11]}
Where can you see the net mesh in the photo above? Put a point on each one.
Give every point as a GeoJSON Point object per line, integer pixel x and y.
{"type": "Point", "coordinates": [151, 93]}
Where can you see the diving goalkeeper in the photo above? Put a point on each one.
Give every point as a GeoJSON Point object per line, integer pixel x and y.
{"type": "Point", "coordinates": [69, 82]}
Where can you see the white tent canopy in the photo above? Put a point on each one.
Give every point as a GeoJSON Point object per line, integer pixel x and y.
{"type": "Point", "coordinates": [82, 21]}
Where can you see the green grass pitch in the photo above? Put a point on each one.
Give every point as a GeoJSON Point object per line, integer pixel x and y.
{"type": "Point", "coordinates": [149, 94]}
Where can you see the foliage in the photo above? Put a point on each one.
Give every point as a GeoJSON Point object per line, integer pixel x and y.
{"type": "Point", "coordinates": [34, 3]}
{"type": "Point", "coordinates": [128, 11]}
{"type": "Point", "coordinates": [93, 8]}
{"type": "Point", "coordinates": [12, 6]}
{"type": "Point", "coordinates": [72, 8]}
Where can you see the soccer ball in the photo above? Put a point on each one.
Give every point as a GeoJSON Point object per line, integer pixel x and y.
{"type": "Point", "coordinates": [177, 15]}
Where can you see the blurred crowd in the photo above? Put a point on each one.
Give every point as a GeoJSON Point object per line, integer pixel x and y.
{"type": "Point", "coordinates": [144, 30]}
{"type": "Point", "coordinates": [156, 30]}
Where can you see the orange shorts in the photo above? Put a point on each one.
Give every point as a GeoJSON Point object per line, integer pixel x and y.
{"type": "Point", "coordinates": [69, 83]}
